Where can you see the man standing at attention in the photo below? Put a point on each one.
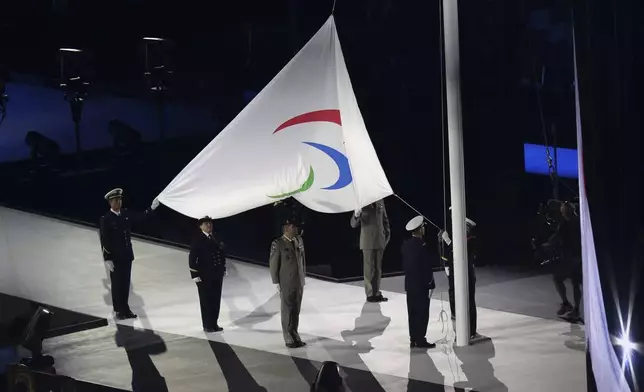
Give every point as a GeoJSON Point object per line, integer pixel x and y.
{"type": "Point", "coordinates": [374, 236]}
{"type": "Point", "coordinates": [207, 262]}
{"type": "Point", "coordinates": [116, 243]}
{"type": "Point", "coordinates": [288, 269]}
{"type": "Point", "coordinates": [419, 281]}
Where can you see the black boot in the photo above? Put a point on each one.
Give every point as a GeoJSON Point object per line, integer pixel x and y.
{"type": "Point", "coordinates": [421, 344]}
{"type": "Point", "coordinates": [564, 308]}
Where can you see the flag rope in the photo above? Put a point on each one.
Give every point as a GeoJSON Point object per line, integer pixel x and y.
{"type": "Point", "coordinates": [418, 212]}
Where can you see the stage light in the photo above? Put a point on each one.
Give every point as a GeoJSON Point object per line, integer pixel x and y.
{"type": "Point", "coordinates": [32, 338]}
{"type": "Point", "coordinates": [328, 378]}
{"type": "Point", "coordinates": [36, 329]}
{"type": "Point", "coordinates": [627, 347]}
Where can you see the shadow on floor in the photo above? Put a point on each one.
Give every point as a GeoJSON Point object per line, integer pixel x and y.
{"type": "Point", "coordinates": [140, 346]}
{"type": "Point", "coordinates": [476, 364]}
{"type": "Point", "coordinates": [237, 375]}
{"type": "Point", "coordinates": [261, 313]}
{"type": "Point", "coordinates": [576, 338]}
{"type": "Point", "coordinates": [421, 366]}
{"type": "Point", "coordinates": [369, 325]}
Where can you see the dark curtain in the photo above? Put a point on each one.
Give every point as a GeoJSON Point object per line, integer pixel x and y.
{"type": "Point", "coordinates": [609, 36]}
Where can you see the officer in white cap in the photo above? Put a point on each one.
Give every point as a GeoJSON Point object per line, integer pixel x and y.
{"type": "Point", "coordinates": [116, 243]}
{"type": "Point", "coordinates": [419, 281]}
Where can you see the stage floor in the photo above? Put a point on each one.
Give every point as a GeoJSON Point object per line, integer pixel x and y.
{"type": "Point", "coordinates": [60, 264]}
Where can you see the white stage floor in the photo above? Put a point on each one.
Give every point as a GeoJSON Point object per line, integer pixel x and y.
{"type": "Point", "coordinates": [60, 264]}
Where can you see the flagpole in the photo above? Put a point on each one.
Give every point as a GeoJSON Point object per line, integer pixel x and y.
{"type": "Point", "coordinates": [456, 169]}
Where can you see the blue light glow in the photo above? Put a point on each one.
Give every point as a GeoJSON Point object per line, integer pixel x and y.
{"type": "Point", "coordinates": [536, 160]}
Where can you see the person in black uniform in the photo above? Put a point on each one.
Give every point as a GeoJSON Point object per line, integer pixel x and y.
{"type": "Point", "coordinates": [116, 243]}
{"type": "Point", "coordinates": [207, 262]}
{"type": "Point", "coordinates": [419, 280]}
{"type": "Point", "coordinates": [471, 275]}
{"type": "Point", "coordinates": [567, 243]}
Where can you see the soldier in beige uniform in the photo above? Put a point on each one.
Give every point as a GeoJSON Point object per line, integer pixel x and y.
{"type": "Point", "coordinates": [374, 236]}
{"type": "Point", "coordinates": [288, 269]}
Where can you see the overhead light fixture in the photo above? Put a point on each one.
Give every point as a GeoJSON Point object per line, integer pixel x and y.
{"type": "Point", "coordinates": [153, 39]}
{"type": "Point", "coordinates": [70, 50]}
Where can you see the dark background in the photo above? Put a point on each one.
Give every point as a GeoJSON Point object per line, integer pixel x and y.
{"type": "Point", "coordinates": [610, 58]}
{"type": "Point", "coordinates": [392, 50]}
{"type": "Point", "coordinates": [223, 49]}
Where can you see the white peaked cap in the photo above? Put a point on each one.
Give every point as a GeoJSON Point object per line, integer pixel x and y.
{"type": "Point", "coordinates": [414, 223]}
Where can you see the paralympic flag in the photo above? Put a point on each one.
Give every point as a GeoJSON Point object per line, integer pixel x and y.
{"type": "Point", "coordinates": [302, 136]}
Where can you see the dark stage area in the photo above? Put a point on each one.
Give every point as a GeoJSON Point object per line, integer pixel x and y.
{"type": "Point", "coordinates": [63, 322]}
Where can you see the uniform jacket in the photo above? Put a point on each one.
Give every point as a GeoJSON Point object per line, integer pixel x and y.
{"type": "Point", "coordinates": [116, 234]}
{"type": "Point", "coordinates": [207, 258]}
{"type": "Point", "coordinates": [417, 263]}
{"type": "Point", "coordinates": [288, 263]}
{"type": "Point", "coordinates": [374, 226]}
{"type": "Point", "coordinates": [472, 251]}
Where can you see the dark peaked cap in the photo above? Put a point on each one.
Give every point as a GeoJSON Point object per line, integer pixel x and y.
{"type": "Point", "coordinates": [205, 219]}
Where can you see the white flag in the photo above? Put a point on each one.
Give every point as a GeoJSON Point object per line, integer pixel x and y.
{"type": "Point", "coordinates": [302, 136]}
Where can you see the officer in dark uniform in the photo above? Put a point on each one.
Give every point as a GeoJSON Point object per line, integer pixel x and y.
{"type": "Point", "coordinates": [471, 275]}
{"type": "Point", "coordinates": [116, 242]}
{"type": "Point", "coordinates": [419, 280]}
{"type": "Point", "coordinates": [207, 262]}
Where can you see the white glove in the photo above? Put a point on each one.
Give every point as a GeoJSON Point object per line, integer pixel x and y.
{"type": "Point", "coordinates": [155, 204]}
{"type": "Point", "coordinates": [279, 289]}
{"type": "Point", "coordinates": [197, 280]}
{"type": "Point", "coordinates": [110, 265]}
{"type": "Point", "coordinates": [357, 212]}
{"type": "Point", "coordinates": [446, 238]}
{"type": "Point", "coordinates": [225, 272]}
{"type": "Point", "coordinates": [447, 270]}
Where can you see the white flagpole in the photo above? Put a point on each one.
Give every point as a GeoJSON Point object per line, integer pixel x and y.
{"type": "Point", "coordinates": [456, 169]}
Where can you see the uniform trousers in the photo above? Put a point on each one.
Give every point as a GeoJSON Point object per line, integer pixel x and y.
{"type": "Point", "coordinates": [418, 314]}
{"type": "Point", "coordinates": [291, 305]}
{"type": "Point", "coordinates": [569, 268]}
{"type": "Point", "coordinates": [120, 279]}
{"type": "Point", "coordinates": [472, 297]}
{"type": "Point", "coordinates": [210, 299]}
{"type": "Point", "coordinates": [372, 271]}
